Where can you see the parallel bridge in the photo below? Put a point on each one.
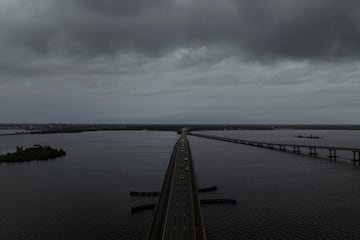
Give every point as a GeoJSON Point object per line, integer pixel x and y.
{"type": "Point", "coordinates": [295, 148]}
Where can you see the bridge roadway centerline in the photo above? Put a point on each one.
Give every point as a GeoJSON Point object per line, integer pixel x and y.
{"type": "Point", "coordinates": [177, 214]}
{"type": "Point", "coordinates": [178, 226]}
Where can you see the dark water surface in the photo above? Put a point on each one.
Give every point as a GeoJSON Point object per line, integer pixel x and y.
{"type": "Point", "coordinates": [85, 195]}
{"type": "Point", "coordinates": [280, 195]}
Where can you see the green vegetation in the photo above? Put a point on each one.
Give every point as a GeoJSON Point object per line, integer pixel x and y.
{"type": "Point", "coordinates": [36, 152]}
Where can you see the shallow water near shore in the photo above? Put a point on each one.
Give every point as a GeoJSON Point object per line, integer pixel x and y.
{"type": "Point", "coordinates": [85, 195]}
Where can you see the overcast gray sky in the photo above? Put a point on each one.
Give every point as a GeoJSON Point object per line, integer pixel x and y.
{"type": "Point", "coordinates": [175, 61]}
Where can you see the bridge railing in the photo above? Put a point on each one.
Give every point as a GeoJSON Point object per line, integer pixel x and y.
{"type": "Point", "coordinates": [154, 230]}
{"type": "Point", "coordinates": [199, 225]}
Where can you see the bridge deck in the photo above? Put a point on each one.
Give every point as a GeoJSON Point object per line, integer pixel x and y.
{"type": "Point", "coordinates": [177, 214]}
{"type": "Point", "coordinates": [282, 146]}
{"type": "Point", "coordinates": [242, 141]}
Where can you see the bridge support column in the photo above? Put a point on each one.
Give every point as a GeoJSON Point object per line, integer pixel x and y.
{"type": "Point", "coordinates": [296, 149]}
{"type": "Point", "coordinates": [332, 153]}
{"type": "Point", "coordinates": [356, 156]}
{"type": "Point", "coordinates": [312, 151]}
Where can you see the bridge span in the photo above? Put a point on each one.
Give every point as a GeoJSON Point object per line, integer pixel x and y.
{"type": "Point", "coordinates": [295, 148]}
{"type": "Point", "coordinates": [177, 213]}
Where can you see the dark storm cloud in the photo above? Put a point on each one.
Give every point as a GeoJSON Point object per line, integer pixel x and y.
{"type": "Point", "coordinates": [300, 29]}
{"type": "Point", "coordinates": [320, 29]}
{"type": "Point", "coordinates": [116, 7]}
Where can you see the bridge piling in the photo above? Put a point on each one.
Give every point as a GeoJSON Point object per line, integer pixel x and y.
{"type": "Point", "coordinates": [356, 155]}
{"type": "Point", "coordinates": [312, 151]}
{"type": "Point", "coordinates": [332, 153]}
{"type": "Point", "coordinates": [296, 149]}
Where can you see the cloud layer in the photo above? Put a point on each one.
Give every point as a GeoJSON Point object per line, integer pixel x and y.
{"type": "Point", "coordinates": [234, 61]}
{"type": "Point", "coordinates": [274, 28]}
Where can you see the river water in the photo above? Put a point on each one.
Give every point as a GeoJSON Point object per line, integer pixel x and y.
{"type": "Point", "coordinates": [85, 195]}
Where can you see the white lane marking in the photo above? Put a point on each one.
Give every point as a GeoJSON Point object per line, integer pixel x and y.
{"type": "Point", "coordinates": [175, 214]}
{"type": "Point", "coordinates": [174, 178]}
{"type": "Point", "coordinates": [174, 228]}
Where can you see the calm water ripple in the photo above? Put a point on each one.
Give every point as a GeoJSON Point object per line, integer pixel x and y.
{"type": "Point", "coordinates": [85, 195]}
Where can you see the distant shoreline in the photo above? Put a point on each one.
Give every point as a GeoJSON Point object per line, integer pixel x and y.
{"type": "Point", "coordinates": [25, 129]}
{"type": "Point", "coordinates": [79, 128]}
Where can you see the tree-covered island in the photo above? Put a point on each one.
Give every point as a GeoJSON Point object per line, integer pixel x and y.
{"type": "Point", "coordinates": [36, 152]}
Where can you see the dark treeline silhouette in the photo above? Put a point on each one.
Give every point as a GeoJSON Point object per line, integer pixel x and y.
{"type": "Point", "coordinates": [78, 128]}
{"type": "Point", "coordinates": [36, 152]}
{"type": "Point", "coordinates": [309, 136]}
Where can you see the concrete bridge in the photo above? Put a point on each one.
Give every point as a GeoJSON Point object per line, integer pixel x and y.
{"type": "Point", "coordinates": [295, 148]}
{"type": "Point", "coordinates": [177, 213]}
